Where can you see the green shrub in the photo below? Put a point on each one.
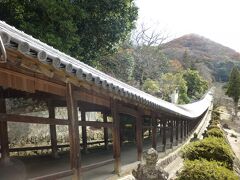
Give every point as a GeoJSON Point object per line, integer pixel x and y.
{"type": "Point", "coordinates": [214, 122]}
{"type": "Point", "coordinates": [194, 138]}
{"type": "Point", "coordinates": [211, 126]}
{"type": "Point", "coordinates": [215, 115]}
{"type": "Point", "coordinates": [211, 148]}
{"type": "Point", "coordinates": [216, 132]}
{"type": "Point", "coordinates": [205, 170]}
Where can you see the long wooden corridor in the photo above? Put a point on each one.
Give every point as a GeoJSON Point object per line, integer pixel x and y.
{"type": "Point", "coordinates": [30, 68]}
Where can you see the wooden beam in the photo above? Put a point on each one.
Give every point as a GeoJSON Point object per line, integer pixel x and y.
{"type": "Point", "coordinates": [92, 98]}
{"type": "Point", "coordinates": [23, 82]}
{"type": "Point", "coordinates": [73, 132]}
{"type": "Point", "coordinates": [4, 134]}
{"type": "Point", "coordinates": [116, 136]}
{"type": "Point", "coordinates": [139, 138]}
{"type": "Point", "coordinates": [84, 131]}
{"type": "Point", "coordinates": [53, 131]}
{"type": "Point", "coordinates": [126, 110]}
{"type": "Point", "coordinates": [49, 147]}
{"type": "Point", "coordinates": [32, 119]}
{"type": "Point", "coordinates": [105, 131]}
{"type": "Point", "coordinates": [96, 124]}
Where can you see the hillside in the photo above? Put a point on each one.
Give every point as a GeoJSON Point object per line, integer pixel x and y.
{"type": "Point", "coordinates": [213, 60]}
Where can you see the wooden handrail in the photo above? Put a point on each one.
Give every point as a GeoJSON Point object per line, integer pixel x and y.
{"type": "Point", "coordinates": [95, 124]}
{"type": "Point", "coordinates": [49, 147]}
{"type": "Point", "coordinates": [32, 119]}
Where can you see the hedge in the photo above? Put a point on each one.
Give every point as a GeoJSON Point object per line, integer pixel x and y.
{"type": "Point", "coordinates": [211, 126]}
{"type": "Point", "coordinates": [216, 132]}
{"type": "Point", "coordinates": [210, 148]}
{"type": "Point", "coordinates": [205, 170]}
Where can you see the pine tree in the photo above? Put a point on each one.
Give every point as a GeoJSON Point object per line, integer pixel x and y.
{"type": "Point", "coordinates": [233, 89]}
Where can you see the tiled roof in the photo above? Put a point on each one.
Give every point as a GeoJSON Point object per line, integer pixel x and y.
{"type": "Point", "coordinates": [29, 46]}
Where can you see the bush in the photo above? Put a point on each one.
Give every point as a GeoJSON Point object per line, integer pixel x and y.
{"type": "Point", "coordinates": [214, 122]}
{"type": "Point", "coordinates": [212, 126]}
{"type": "Point", "coordinates": [215, 115]}
{"type": "Point", "coordinates": [210, 148]}
{"type": "Point", "coordinates": [216, 132]}
{"type": "Point", "coordinates": [194, 138]}
{"type": "Point", "coordinates": [205, 170]}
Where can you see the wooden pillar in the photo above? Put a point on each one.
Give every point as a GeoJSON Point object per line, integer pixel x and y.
{"type": "Point", "coordinates": [139, 131]}
{"type": "Point", "coordinates": [181, 130]}
{"type": "Point", "coordinates": [4, 134]}
{"type": "Point", "coordinates": [185, 128]}
{"type": "Point", "coordinates": [105, 131]}
{"type": "Point", "coordinates": [75, 155]}
{"type": "Point", "coordinates": [116, 137]}
{"type": "Point", "coordinates": [154, 133]}
{"type": "Point", "coordinates": [177, 132]}
{"type": "Point", "coordinates": [84, 132]}
{"type": "Point", "coordinates": [164, 135]}
{"type": "Point", "coordinates": [53, 131]}
{"type": "Point", "coordinates": [171, 131]}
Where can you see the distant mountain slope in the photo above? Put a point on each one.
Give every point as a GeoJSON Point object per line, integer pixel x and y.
{"type": "Point", "coordinates": [213, 60]}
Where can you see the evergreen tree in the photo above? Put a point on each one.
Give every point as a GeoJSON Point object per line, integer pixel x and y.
{"type": "Point", "coordinates": [233, 89]}
{"type": "Point", "coordinates": [83, 29]}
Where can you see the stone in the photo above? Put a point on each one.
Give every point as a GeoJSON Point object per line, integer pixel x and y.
{"type": "Point", "coordinates": [150, 170]}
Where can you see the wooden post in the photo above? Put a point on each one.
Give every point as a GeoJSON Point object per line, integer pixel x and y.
{"type": "Point", "coordinates": [75, 155]}
{"type": "Point", "coordinates": [188, 127]}
{"type": "Point", "coordinates": [177, 132]}
{"type": "Point", "coordinates": [84, 132]}
{"type": "Point", "coordinates": [185, 128]}
{"type": "Point", "coordinates": [181, 130]}
{"type": "Point", "coordinates": [116, 137]}
{"type": "Point", "coordinates": [154, 133]}
{"type": "Point", "coordinates": [171, 135]}
{"type": "Point", "coordinates": [53, 132]}
{"type": "Point", "coordinates": [164, 135]}
{"type": "Point", "coordinates": [4, 134]}
{"type": "Point", "coordinates": [139, 131]}
{"type": "Point", "coordinates": [105, 131]}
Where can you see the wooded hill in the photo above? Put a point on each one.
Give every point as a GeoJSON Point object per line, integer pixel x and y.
{"type": "Point", "coordinates": [213, 60]}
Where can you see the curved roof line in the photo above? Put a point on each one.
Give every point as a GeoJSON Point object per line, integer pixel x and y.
{"type": "Point", "coordinates": [48, 55]}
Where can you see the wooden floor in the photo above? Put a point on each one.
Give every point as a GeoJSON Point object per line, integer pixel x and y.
{"type": "Point", "coordinates": [30, 167]}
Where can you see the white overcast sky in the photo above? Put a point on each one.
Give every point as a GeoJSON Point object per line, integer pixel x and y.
{"type": "Point", "coordinates": [218, 20]}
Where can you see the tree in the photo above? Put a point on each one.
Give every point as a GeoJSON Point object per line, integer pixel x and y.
{"type": "Point", "coordinates": [150, 61]}
{"type": "Point", "coordinates": [233, 87]}
{"type": "Point", "coordinates": [151, 86]}
{"type": "Point", "coordinates": [195, 83]}
{"type": "Point", "coordinates": [169, 82]}
{"type": "Point", "coordinates": [187, 61]}
{"type": "Point", "coordinates": [119, 65]}
{"type": "Point", "coordinates": [84, 29]}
